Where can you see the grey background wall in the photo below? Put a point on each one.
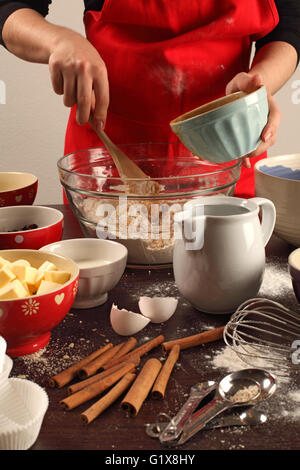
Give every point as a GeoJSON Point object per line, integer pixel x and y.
{"type": "Point", "coordinates": [33, 119]}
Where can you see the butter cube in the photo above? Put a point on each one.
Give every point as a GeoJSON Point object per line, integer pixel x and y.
{"type": "Point", "coordinates": [6, 276]}
{"type": "Point", "coordinates": [46, 266]}
{"type": "Point", "coordinates": [30, 278]}
{"type": "Point", "coordinates": [13, 290]}
{"type": "Point", "coordinates": [47, 286]}
{"type": "Point", "coordinates": [24, 284]}
{"type": "Point", "coordinates": [3, 262]}
{"type": "Point", "coordinates": [19, 271]}
{"type": "Point", "coordinates": [21, 262]}
{"type": "Point", "coordinates": [57, 276]}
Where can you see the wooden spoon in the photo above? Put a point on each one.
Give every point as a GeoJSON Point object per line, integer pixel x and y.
{"type": "Point", "coordinates": [127, 169]}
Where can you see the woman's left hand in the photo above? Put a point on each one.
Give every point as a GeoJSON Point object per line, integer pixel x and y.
{"type": "Point", "coordinates": [248, 83]}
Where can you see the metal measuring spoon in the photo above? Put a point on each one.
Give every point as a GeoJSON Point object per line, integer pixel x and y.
{"type": "Point", "coordinates": [227, 396]}
{"type": "Point", "coordinates": [266, 380]}
{"type": "Point", "coordinates": [176, 424]}
{"type": "Point", "coordinates": [249, 417]}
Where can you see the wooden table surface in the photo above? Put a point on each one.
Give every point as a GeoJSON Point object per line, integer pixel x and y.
{"type": "Point", "coordinates": [82, 331]}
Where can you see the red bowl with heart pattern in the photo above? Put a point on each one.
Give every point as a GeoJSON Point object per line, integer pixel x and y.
{"type": "Point", "coordinates": [29, 227]}
{"type": "Point", "coordinates": [17, 188]}
{"type": "Point", "coordinates": [26, 323]}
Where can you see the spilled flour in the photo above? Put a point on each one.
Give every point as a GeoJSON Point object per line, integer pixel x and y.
{"type": "Point", "coordinates": [277, 284]}
{"type": "Point", "coordinates": [285, 403]}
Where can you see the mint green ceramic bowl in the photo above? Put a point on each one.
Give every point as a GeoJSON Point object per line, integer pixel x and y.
{"type": "Point", "coordinates": [225, 129]}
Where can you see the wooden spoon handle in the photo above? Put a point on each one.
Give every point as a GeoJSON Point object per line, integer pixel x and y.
{"type": "Point", "coordinates": [125, 166]}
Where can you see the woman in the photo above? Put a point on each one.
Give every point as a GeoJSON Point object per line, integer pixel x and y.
{"type": "Point", "coordinates": [144, 63]}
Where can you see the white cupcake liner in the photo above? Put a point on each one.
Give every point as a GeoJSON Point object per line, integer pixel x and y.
{"type": "Point", "coordinates": [23, 405]}
{"type": "Point", "coordinates": [7, 367]}
{"type": "Point", "coordinates": [6, 370]}
{"type": "Point", "coordinates": [3, 346]}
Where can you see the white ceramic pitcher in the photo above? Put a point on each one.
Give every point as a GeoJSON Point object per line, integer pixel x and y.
{"type": "Point", "coordinates": [219, 252]}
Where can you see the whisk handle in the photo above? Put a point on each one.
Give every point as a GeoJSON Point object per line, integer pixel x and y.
{"type": "Point", "coordinates": [268, 217]}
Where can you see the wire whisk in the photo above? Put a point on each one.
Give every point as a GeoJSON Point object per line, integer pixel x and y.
{"type": "Point", "coordinates": [263, 334]}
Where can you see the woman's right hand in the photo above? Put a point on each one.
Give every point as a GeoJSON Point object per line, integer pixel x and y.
{"type": "Point", "coordinates": [79, 74]}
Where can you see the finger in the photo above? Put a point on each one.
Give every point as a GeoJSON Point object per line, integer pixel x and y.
{"type": "Point", "coordinates": [262, 147]}
{"type": "Point", "coordinates": [274, 118]}
{"type": "Point", "coordinates": [84, 98]}
{"type": "Point", "coordinates": [244, 82]}
{"type": "Point", "coordinates": [246, 162]}
{"type": "Point", "coordinates": [256, 81]}
{"type": "Point", "coordinates": [56, 78]}
{"type": "Point", "coordinates": [70, 88]}
{"type": "Point", "coordinates": [269, 133]}
{"type": "Point", "coordinates": [93, 102]}
{"type": "Point", "coordinates": [101, 92]}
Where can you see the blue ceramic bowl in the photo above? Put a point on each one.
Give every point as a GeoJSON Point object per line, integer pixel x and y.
{"type": "Point", "coordinates": [224, 129]}
{"type": "Point", "coordinates": [294, 270]}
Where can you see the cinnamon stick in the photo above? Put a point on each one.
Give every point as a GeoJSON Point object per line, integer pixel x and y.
{"type": "Point", "coordinates": [140, 351]}
{"type": "Point", "coordinates": [195, 340]}
{"type": "Point", "coordinates": [127, 346]}
{"type": "Point", "coordinates": [93, 366]}
{"type": "Point", "coordinates": [160, 385]}
{"type": "Point", "coordinates": [76, 399]}
{"type": "Point", "coordinates": [94, 378]}
{"type": "Point", "coordinates": [64, 377]}
{"type": "Point", "coordinates": [97, 408]}
{"type": "Point", "coordinates": [141, 387]}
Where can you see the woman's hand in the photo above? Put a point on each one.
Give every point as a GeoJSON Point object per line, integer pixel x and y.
{"type": "Point", "coordinates": [76, 69]}
{"type": "Point", "coordinates": [248, 83]}
{"type": "Point", "coordinates": [79, 74]}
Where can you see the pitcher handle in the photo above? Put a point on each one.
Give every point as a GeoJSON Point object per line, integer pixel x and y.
{"type": "Point", "coordinates": [268, 217]}
{"type": "Point", "coordinates": [191, 227]}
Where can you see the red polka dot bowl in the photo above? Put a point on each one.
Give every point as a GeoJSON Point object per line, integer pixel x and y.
{"type": "Point", "coordinates": [26, 323]}
{"type": "Point", "coordinates": [17, 188]}
{"type": "Point", "coordinates": [29, 227]}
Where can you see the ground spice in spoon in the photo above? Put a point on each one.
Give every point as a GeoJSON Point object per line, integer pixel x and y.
{"type": "Point", "coordinates": [245, 394]}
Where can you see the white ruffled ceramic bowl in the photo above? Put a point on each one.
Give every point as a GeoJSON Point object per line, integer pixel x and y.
{"type": "Point", "coordinates": [23, 405]}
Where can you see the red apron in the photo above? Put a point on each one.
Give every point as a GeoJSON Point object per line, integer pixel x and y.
{"type": "Point", "coordinates": [165, 58]}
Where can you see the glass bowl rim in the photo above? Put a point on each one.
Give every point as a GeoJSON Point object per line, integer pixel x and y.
{"type": "Point", "coordinates": [237, 164]}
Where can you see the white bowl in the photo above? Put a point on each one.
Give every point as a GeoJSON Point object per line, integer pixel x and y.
{"type": "Point", "coordinates": [101, 266]}
{"type": "Point", "coordinates": [273, 180]}
{"type": "Point", "coordinates": [23, 406]}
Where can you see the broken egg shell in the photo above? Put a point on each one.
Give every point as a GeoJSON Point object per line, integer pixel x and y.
{"type": "Point", "coordinates": [158, 309]}
{"type": "Point", "coordinates": [126, 323]}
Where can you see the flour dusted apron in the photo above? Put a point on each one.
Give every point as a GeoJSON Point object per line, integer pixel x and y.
{"type": "Point", "coordinates": [165, 58]}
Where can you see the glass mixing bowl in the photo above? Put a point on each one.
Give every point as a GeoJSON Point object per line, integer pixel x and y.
{"type": "Point", "coordinates": [106, 207]}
